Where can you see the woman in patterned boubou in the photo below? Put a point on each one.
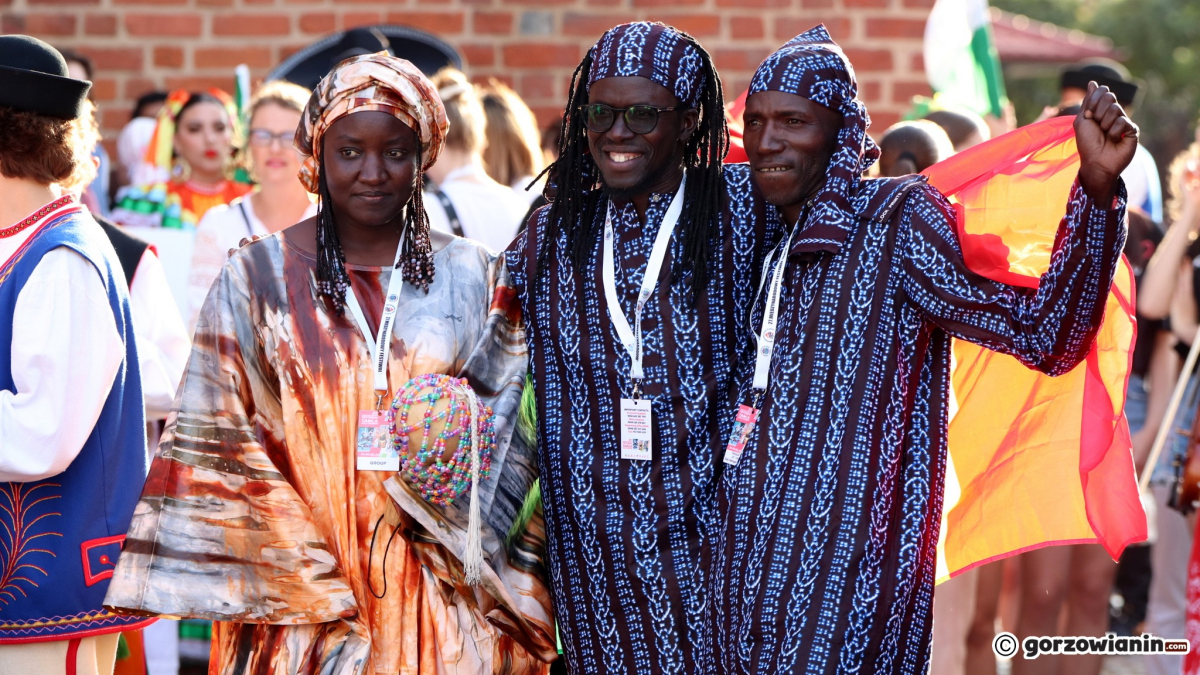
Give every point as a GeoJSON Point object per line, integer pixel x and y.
{"type": "Point", "coordinates": [255, 514]}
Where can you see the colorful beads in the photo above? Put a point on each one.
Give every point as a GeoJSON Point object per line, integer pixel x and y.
{"type": "Point", "coordinates": [441, 400]}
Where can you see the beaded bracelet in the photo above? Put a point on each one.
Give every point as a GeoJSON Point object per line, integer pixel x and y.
{"type": "Point", "coordinates": [441, 482]}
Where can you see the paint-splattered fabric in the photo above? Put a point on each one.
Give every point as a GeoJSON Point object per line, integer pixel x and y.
{"type": "Point", "coordinates": [824, 554]}
{"type": "Point", "coordinates": [626, 538]}
{"type": "Point", "coordinates": [254, 516]}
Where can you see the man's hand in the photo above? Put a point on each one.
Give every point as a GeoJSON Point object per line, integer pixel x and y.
{"type": "Point", "coordinates": [1107, 139]}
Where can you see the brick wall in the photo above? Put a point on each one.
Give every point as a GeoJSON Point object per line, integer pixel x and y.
{"type": "Point", "coordinates": [535, 45]}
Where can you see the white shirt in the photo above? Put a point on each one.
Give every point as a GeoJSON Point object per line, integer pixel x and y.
{"type": "Point", "coordinates": [222, 228]}
{"type": "Point", "coordinates": [163, 342]}
{"type": "Point", "coordinates": [489, 212]}
{"type": "Point", "coordinates": [65, 355]}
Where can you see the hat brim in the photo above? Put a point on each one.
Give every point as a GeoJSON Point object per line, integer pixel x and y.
{"type": "Point", "coordinates": [1125, 92]}
{"type": "Point", "coordinates": [41, 93]}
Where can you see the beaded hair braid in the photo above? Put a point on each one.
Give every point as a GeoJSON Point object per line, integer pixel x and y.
{"type": "Point", "coordinates": [579, 178]}
{"type": "Point", "coordinates": [416, 258]}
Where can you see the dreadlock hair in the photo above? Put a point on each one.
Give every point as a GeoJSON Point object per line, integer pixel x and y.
{"type": "Point", "coordinates": [579, 181]}
{"type": "Point", "coordinates": [416, 257]}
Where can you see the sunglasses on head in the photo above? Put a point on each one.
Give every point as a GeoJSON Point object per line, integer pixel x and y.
{"type": "Point", "coordinates": [640, 119]}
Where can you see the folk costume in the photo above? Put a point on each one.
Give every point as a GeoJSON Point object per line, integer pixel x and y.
{"type": "Point", "coordinates": [72, 453]}
{"type": "Point", "coordinates": [167, 198]}
{"type": "Point", "coordinates": [827, 524]}
{"type": "Point", "coordinates": [254, 514]}
{"type": "Point", "coordinates": [626, 536]}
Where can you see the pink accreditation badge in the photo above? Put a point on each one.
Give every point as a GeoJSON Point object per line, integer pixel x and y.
{"type": "Point", "coordinates": [374, 447]}
{"type": "Point", "coordinates": [743, 426]}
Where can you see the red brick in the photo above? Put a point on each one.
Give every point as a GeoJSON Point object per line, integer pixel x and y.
{"type": "Point", "coordinates": [12, 23]}
{"type": "Point", "coordinates": [541, 55]}
{"type": "Point", "coordinates": [181, 25]}
{"type": "Point", "coordinates": [896, 28]}
{"type": "Point", "coordinates": [729, 58]}
{"type": "Point", "coordinates": [365, 2]}
{"type": "Point", "coordinates": [197, 83]}
{"type": "Point", "coordinates": [745, 27]}
{"type": "Point", "coordinates": [168, 57]}
{"type": "Point", "coordinates": [870, 60]}
{"type": "Point", "coordinates": [870, 91]}
{"type": "Point", "coordinates": [115, 58]}
{"type": "Point", "coordinates": [866, 3]}
{"type": "Point", "coordinates": [240, 23]}
{"type": "Point", "coordinates": [538, 3]}
{"type": "Point", "coordinates": [478, 55]}
{"type": "Point", "coordinates": [258, 2]}
{"type": "Point", "coordinates": [701, 25]}
{"type": "Point", "coordinates": [103, 89]}
{"type": "Point", "coordinates": [788, 28]}
{"type": "Point", "coordinates": [816, 4]}
{"type": "Point", "coordinates": [918, 63]}
{"type": "Point", "coordinates": [492, 23]}
{"type": "Point", "coordinates": [605, 3]}
{"type": "Point", "coordinates": [286, 52]}
{"type": "Point", "coordinates": [356, 19]}
{"type": "Point", "coordinates": [113, 118]}
{"type": "Point", "coordinates": [665, 3]}
{"type": "Point", "coordinates": [754, 3]}
{"type": "Point", "coordinates": [923, 4]}
{"type": "Point", "coordinates": [903, 92]}
{"type": "Point", "coordinates": [229, 57]}
{"type": "Point", "coordinates": [58, 2]}
{"type": "Point", "coordinates": [156, 3]}
{"type": "Point", "coordinates": [133, 87]}
{"type": "Point", "coordinates": [318, 22]}
{"type": "Point", "coordinates": [442, 23]}
{"type": "Point", "coordinates": [547, 114]}
{"type": "Point", "coordinates": [588, 24]}
{"type": "Point", "coordinates": [880, 121]}
{"type": "Point", "coordinates": [49, 24]}
{"type": "Point", "coordinates": [214, 3]}
{"type": "Point", "coordinates": [431, 2]}
{"type": "Point", "coordinates": [100, 24]}
{"type": "Point", "coordinates": [304, 2]}
{"type": "Point", "coordinates": [539, 86]}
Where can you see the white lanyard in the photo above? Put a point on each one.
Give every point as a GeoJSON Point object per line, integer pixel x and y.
{"type": "Point", "coordinates": [631, 340]}
{"type": "Point", "coordinates": [766, 338]}
{"type": "Point", "coordinates": [381, 345]}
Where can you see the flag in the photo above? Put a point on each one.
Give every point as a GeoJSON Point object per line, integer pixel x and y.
{"type": "Point", "coordinates": [733, 118]}
{"type": "Point", "coordinates": [1033, 460]}
{"type": "Point", "coordinates": [960, 57]}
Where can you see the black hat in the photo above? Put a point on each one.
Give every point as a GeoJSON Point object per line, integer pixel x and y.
{"type": "Point", "coordinates": [307, 66]}
{"type": "Point", "coordinates": [33, 78]}
{"type": "Point", "coordinates": [1104, 72]}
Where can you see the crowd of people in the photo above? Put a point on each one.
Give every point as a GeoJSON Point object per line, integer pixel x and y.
{"type": "Point", "coordinates": [675, 414]}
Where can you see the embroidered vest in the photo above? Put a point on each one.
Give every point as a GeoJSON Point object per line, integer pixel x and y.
{"type": "Point", "coordinates": [60, 537]}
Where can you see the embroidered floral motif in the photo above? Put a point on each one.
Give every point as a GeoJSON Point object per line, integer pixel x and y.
{"type": "Point", "coordinates": [18, 536]}
{"type": "Point", "coordinates": [36, 217]}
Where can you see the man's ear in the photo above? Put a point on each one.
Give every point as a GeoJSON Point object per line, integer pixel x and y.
{"type": "Point", "coordinates": [691, 119]}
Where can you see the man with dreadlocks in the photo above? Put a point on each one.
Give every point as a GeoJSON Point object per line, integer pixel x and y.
{"type": "Point", "coordinates": [257, 513]}
{"type": "Point", "coordinates": [830, 505]}
{"type": "Point", "coordinates": [634, 284]}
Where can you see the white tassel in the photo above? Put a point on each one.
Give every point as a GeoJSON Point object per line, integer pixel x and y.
{"type": "Point", "coordinates": [473, 555]}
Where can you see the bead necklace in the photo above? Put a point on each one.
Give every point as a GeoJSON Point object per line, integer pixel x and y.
{"type": "Point", "coordinates": [36, 217]}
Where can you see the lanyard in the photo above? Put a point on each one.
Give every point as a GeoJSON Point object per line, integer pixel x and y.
{"type": "Point", "coordinates": [766, 338]}
{"type": "Point", "coordinates": [631, 340]}
{"type": "Point", "coordinates": [381, 345]}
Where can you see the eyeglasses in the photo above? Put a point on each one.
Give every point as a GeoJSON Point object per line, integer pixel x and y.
{"type": "Point", "coordinates": [640, 119]}
{"type": "Point", "coordinates": [263, 138]}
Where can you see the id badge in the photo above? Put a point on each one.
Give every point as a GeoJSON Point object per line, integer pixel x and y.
{"type": "Point", "coordinates": [636, 426]}
{"type": "Point", "coordinates": [743, 427]}
{"type": "Point", "coordinates": [375, 450]}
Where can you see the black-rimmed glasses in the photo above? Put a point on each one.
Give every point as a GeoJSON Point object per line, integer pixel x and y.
{"type": "Point", "coordinates": [640, 119]}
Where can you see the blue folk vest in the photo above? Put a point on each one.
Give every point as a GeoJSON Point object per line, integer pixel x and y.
{"type": "Point", "coordinates": [60, 537]}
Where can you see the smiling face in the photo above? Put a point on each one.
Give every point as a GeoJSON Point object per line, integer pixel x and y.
{"type": "Point", "coordinates": [203, 138]}
{"type": "Point", "coordinates": [370, 164]}
{"type": "Point", "coordinates": [276, 162]}
{"type": "Point", "coordinates": [789, 140]}
{"type": "Point", "coordinates": [634, 165]}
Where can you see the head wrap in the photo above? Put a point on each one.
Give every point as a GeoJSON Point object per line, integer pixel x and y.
{"type": "Point", "coordinates": [654, 51]}
{"type": "Point", "coordinates": [371, 82]}
{"type": "Point", "coordinates": [813, 66]}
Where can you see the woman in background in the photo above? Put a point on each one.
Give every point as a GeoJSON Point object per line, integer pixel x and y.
{"type": "Point", "coordinates": [278, 201]}
{"type": "Point", "coordinates": [513, 155]}
{"type": "Point", "coordinates": [192, 151]}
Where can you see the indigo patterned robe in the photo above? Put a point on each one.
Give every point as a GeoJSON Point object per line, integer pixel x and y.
{"type": "Point", "coordinates": [827, 528]}
{"type": "Point", "coordinates": [625, 537]}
